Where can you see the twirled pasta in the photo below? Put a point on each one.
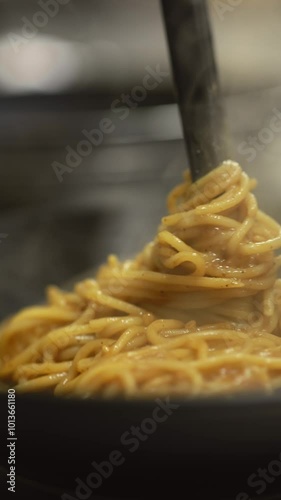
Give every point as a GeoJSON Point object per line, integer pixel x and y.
{"type": "Point", "coordinates": [196, 312]}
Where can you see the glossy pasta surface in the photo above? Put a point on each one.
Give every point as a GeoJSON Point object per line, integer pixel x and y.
{"type": "Point", "coordinates": [198, 311]}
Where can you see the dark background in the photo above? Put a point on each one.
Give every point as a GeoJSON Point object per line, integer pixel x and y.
{"type": "Point", "coordinates": [64, 79]}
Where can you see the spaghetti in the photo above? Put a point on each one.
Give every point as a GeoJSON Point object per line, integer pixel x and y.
{"type": "Point", "coordinates": [197, 311]}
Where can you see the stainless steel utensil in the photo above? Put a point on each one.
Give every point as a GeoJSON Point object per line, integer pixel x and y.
{"type": "Point", "coordinates": [199, 98]}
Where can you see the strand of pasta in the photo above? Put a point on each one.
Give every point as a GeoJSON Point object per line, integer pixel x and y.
{"type": "Point", "coordinates": [197, 311]}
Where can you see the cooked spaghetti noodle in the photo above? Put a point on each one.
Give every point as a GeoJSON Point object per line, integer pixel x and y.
{"type": "Point", "coordinates": [197, 311]}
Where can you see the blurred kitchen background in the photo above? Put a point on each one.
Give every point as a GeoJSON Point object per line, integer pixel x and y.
{"type": "Point", "coordinates": [64, 66]}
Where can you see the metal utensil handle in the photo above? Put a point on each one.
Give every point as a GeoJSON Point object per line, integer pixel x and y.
{"type": "Point", "coordinates": [191, 48]}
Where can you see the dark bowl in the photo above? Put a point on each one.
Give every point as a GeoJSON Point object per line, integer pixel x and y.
{"type": "Point", "coordinates": [226, 447]}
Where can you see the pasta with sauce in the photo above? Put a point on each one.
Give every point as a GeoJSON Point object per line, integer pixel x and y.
{"type": "Point", "coordinates": [198, 311]}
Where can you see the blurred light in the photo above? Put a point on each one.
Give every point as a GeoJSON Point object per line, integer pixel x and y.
{"type": "Point", "coordinates": [44, 63]}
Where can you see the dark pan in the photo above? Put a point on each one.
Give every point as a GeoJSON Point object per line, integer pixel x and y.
{"type": "Point", "coordinates": [209, 448]}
